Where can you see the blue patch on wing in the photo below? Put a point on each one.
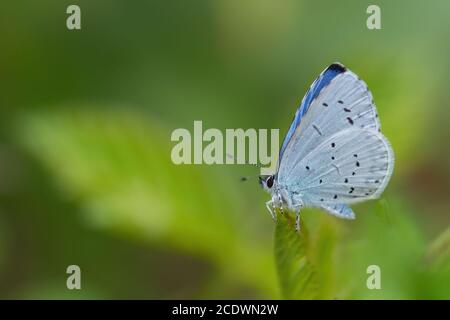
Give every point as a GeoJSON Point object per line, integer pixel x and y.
{"type": "Point", "coordinates": [340, 210]}
{"type": "Point", "coordinates": [321, 82]}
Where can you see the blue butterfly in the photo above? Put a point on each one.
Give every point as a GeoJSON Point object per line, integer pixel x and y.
{"type": "Point", "coordinates": [334, 153]}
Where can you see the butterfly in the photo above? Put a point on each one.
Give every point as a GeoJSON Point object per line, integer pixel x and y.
{"type": "Point", "coordinates": [333, 154]}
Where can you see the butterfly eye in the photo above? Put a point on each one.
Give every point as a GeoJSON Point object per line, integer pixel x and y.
{"type": "Point", "coordinates": [269, 182]}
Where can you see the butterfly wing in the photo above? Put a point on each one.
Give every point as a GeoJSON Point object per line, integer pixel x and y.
{"type": "Point", "coordinates": [340, 210]}
{"type": "Point", "coordinates": [350, 166]}
{"type": "Point", "coordinates": [321, 82]}
{"type": "Point", "coordinates": [337, 100]}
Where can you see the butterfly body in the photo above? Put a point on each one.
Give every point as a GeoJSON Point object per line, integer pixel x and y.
{"type": "Point", "coordinates": [334, 153]}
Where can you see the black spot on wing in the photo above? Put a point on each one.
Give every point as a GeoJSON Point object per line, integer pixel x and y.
{"type": "Point", "coordinates": [337, 67]}
{"type": "Point", "coordinates": [317, 129]}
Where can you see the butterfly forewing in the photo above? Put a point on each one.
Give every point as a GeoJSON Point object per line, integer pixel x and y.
{"type": "Point", "coordinates": [344, 103]}
{"type": "Point", "coordinates": [322, 81]}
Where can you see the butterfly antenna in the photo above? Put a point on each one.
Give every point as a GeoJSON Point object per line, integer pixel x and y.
{"type": "Point", "coordinates": [230, 156]}
{"type": "Point", "coordinates": [245, 178]}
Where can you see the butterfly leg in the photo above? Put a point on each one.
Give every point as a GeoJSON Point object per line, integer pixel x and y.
{"type": "Point", "coordinates": [271, 207]}
{"type": "Point", "coordinates": [297, 218]}
{"type": "Point", "coordinates": [281, 204]}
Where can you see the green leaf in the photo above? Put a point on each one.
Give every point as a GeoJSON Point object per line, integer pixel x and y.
{"type": "Point", "coordinates": [323, 247]}
{"type": "Point", "coordinates": [296, 273]}
{"type": "Point", "coordinates": [115, 166]}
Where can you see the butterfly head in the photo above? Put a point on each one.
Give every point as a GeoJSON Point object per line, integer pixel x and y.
{"type": "Point", "coordinates": [267, 182]}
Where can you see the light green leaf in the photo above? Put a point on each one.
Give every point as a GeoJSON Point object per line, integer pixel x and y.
{"type": "Point", "coordinates": [115, 166]}
{"type": "Point", "coordinates": [297, 276]}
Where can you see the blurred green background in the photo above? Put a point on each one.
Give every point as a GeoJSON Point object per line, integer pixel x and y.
{"type": "Point", "coordinates": [86, 118]}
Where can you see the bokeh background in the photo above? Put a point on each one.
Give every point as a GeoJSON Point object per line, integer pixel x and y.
{"type": "Point", "coordinates": [85, 124]}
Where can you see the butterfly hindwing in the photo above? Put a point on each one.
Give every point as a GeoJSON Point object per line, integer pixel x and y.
{"type": "Point", "coordinates": [339, 210]}
{"type": "Point", "coordinates": [350, 166]}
